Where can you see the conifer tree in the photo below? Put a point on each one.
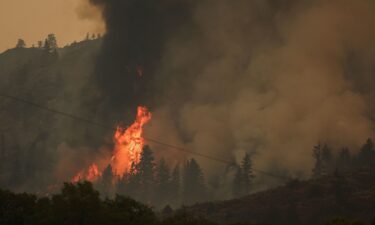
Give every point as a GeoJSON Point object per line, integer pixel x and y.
{"type": "Point", "coordinates": [327, 160]}
{"type": "Point", "coordinates": [40, 44]}
{"type": "Point", "coordinates": [366, 156]}
{"type": "Point", "coordinates": [163, 183]}
{"type": "Point", "coordinates": [344, 160]}
{"type": "Point", "coordinates": [194, 187]}
{"type": "Point", "coordinates": [175, 185]}
{"type": "Point", "coordinates": [237, 183]}
{"type": "Point", "coordinates": [50, 43]}
{"type": "Point", "coordinates": [106, 181]}
{"type": "Point", "coordinates": [145, 174]}
{"type": "Point", "coordinates": [317, 154]}
{"type": "Point", "coordinates": [243, 178]}
{"type": "Point", "coordinates": [46, 46]}
{"type": "Point", "coordinates": [130, 183]}
{"type": "Point", "coordinates": [21, 43]}
{"type": "Point", "coordinates": [247, 174]}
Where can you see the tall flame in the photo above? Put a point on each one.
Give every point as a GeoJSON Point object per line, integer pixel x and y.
{"type": "Point", "coordinates": [127, 152]}
{"type": "Point", "coordinates": [129, 143]}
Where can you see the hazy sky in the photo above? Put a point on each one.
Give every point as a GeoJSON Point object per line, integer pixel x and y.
{"type": "Point", "coordinates": [32, 20]}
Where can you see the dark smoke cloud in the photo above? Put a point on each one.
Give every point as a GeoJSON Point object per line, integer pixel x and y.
{"type": "Point", "coordinates": [137, 34]}
{"type": "Point", "coordinates": [269, 77]}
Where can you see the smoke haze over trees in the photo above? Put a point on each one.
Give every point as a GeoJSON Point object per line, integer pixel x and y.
{"type": "Point", "coordinates": [227, 77]}
{"type": "Point", "coordinates": [224, 78]}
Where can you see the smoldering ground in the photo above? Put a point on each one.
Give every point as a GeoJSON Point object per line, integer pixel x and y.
{"type": "Point", "coordinates": [271, 78]}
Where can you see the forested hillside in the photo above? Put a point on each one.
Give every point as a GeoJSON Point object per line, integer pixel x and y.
{"type": "Point", "coordinates": [30, 138]}
{"type": "Point", "coordinates": [341, 195]}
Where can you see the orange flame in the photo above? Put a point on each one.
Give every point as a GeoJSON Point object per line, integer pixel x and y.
{"type": "Point", "coordinates": [91, 174]}
{"type": "Point", "coordinates": [127, 152]}
{"type": "Point", "coordinates": [129, 143]}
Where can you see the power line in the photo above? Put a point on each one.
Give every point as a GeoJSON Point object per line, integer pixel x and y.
{"type": "Point", "coordinates": [169, 146]}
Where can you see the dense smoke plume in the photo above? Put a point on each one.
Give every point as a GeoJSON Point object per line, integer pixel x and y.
{"type": "Point", "coordinates": [271, 78]}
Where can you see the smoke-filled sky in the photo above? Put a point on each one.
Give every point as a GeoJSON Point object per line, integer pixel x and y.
{"type": "Point", "coordinates": [269, 77]}
{"type": "Point", "coordinates": [224, 77]}
{"type": "Point", "coordinates": [34, 20]}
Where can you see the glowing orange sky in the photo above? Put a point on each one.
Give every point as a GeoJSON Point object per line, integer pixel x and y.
{"type": "Point", "coordinates": [32, 20]}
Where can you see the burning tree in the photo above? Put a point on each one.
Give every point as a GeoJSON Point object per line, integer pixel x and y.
{"type": "Point", "coordinates": [129, 145]}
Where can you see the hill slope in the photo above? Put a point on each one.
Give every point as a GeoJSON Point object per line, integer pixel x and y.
{"type": "Point", "coordinates": [301, 202]}
{"type": "Point", "coordinates": [31, 138]}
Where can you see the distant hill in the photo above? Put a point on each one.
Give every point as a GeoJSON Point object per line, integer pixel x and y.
{"type": "Point", "coordinates": [311, 202]}
{"type": "Point", "coordinates": [30, 137]}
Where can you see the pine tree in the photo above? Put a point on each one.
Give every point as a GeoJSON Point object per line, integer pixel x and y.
{"type": "Point", "coordinates": [145, 174]}
{"type": "Point", "coordinates": [40, 44]}
{"type": "Point", "coordinates": [50, 43]}
{"type": "Point", "coordinates": [243, 178]}
{"type": "Point", "coordinates": [366, 156]}
{"type": "Point", "coordinates": [247, 174]}
{"type": "Point", "coordinates": [130, 183]}
{"type": "Point", "coordinates": [46, 46]}
{"type": "Point", "coordinates": [317, 154]}
{"type": "Point", "coordinates": [21, 43]}
{"type": "Point", "coordinates": [106, 181]}
{"type": "Point", "coordinates": [163, 183]}
{"type": "Point", "coordinates": [237, 183]}
{"type": "Point", "coordinates": [344, 160]}
{"type": "Point", "coordinates": [175, 185]}
{"type": "Point", "coordinates": [194, 187]}
{"type": "Point", "coordinates": [327, 160]}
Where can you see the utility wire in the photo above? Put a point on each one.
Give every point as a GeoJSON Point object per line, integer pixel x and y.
{"type": "Point", "coordinates": [169, 146]}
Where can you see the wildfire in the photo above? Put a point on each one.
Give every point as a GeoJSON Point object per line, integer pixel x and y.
{"type": "Point", "coordinates": [91, 174]}
{"type": "Point", "coordinates": [129, 143]}
{"type": "Point", "coordinates": [127, 152]}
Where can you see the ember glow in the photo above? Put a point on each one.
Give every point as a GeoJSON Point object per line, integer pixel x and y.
{"type": "Point", "coordinates": [127, 151]}
{"type": "Point", "coordinates": [129, 143]}
{"type": "Point", "coordinates": [91, 174]}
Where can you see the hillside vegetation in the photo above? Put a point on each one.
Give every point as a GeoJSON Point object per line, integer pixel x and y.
{"type": "Point", "coordinates": [350, 195]}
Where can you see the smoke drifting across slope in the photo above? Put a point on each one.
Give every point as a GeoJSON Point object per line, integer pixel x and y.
{"type": "Point", "coordinates": [268, 77]}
